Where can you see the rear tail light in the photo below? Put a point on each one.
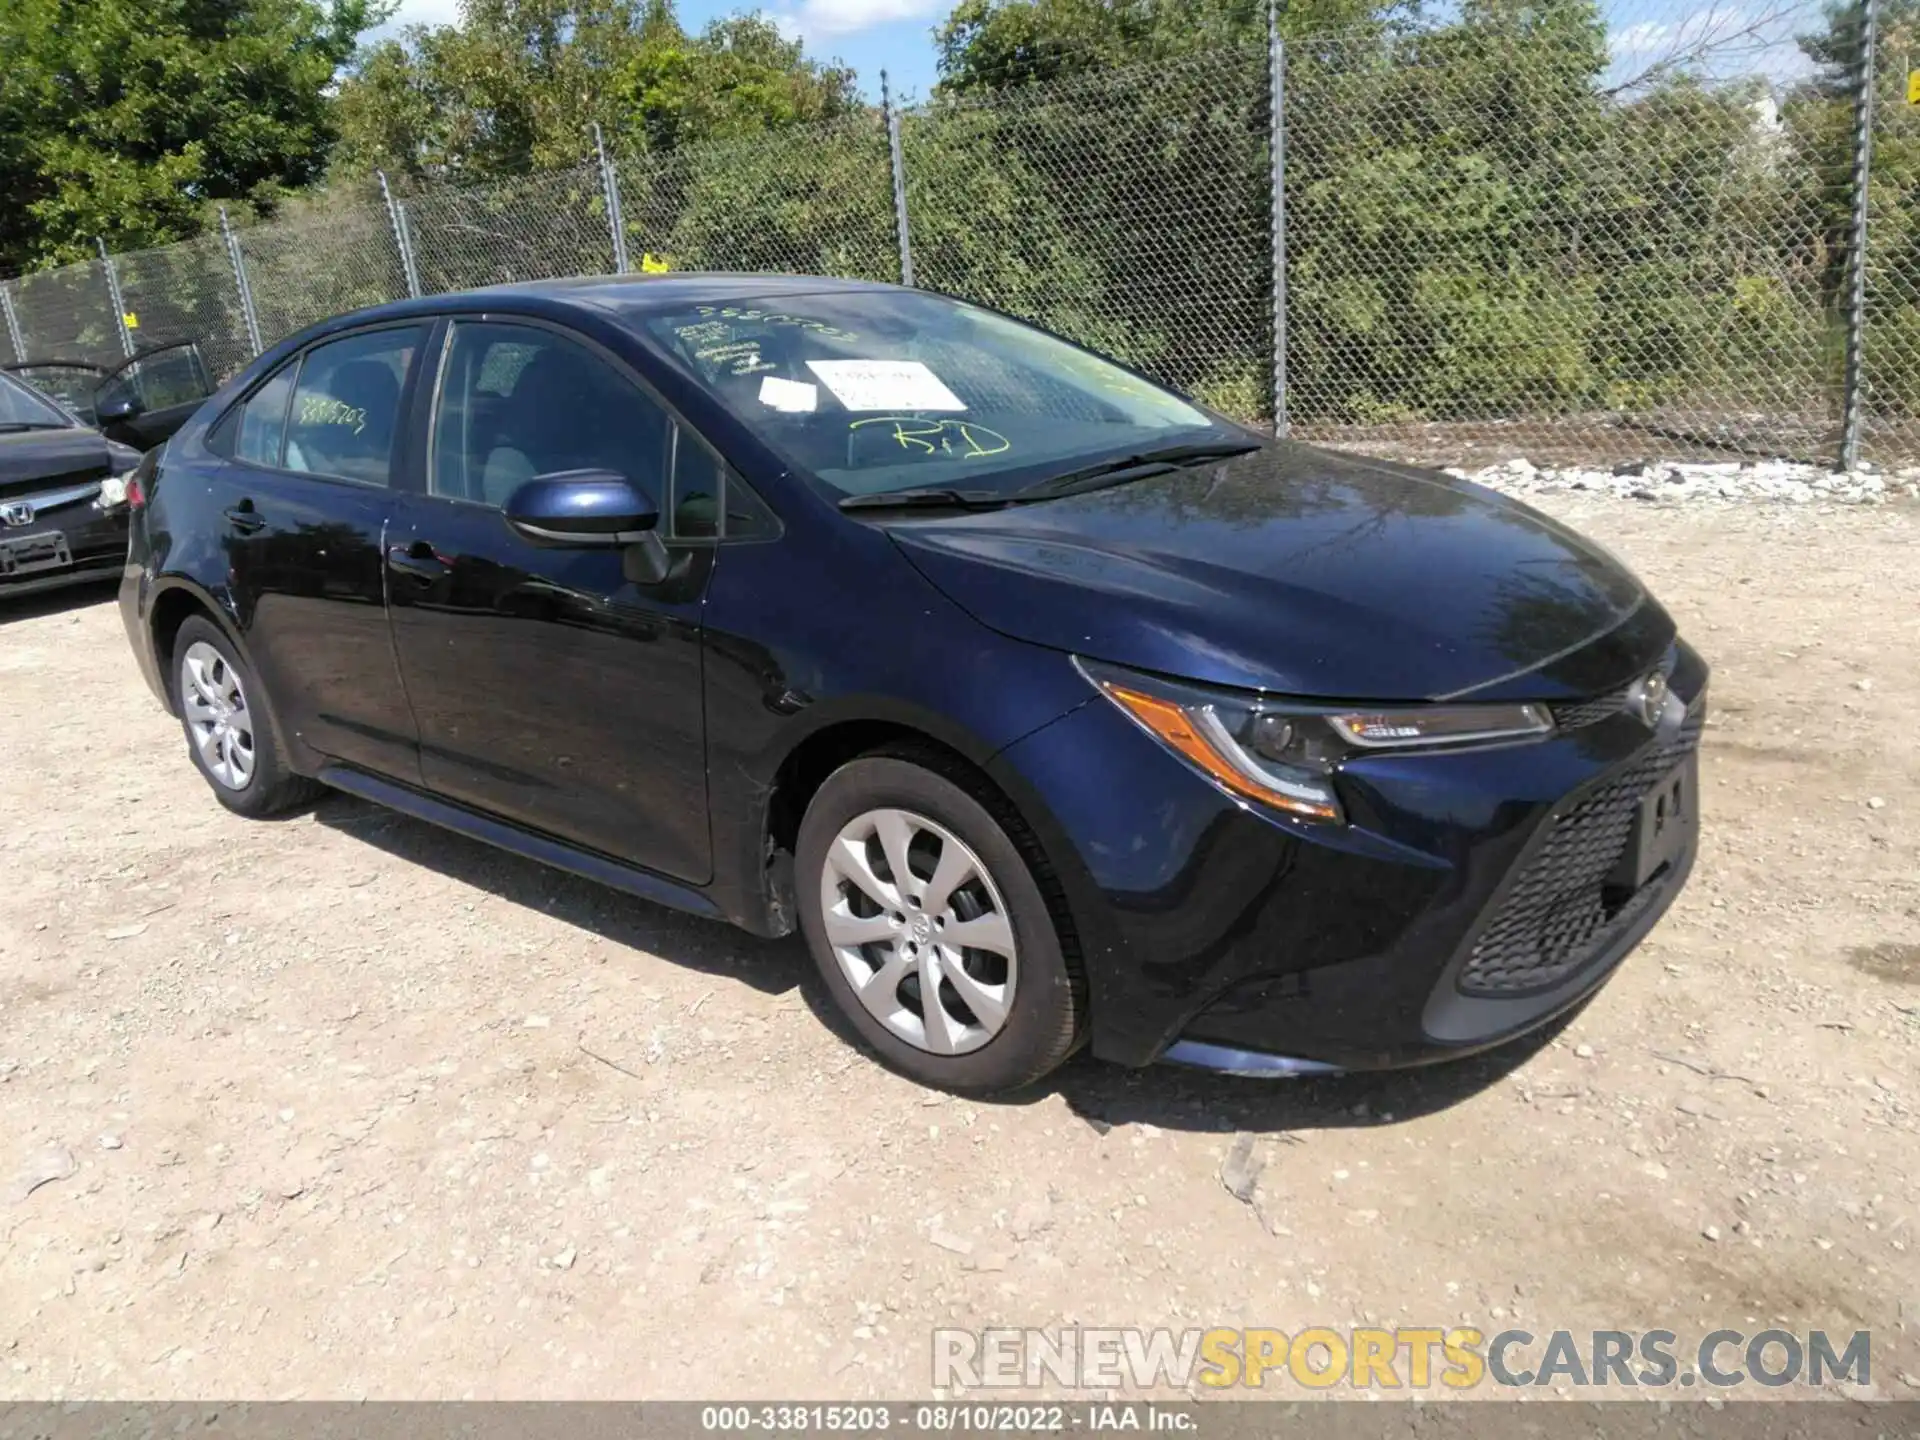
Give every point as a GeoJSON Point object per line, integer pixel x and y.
{"type": "Point", "coordinates": [136, 493]}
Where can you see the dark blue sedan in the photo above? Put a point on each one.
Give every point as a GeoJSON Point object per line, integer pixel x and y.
{"type": "Point", "coordinates": [1052, 708]}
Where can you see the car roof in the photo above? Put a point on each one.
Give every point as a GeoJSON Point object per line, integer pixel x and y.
{"type": "Point", "coordinates": [645, 293]}
{"type": "Point", "coordinates": [621, 296]}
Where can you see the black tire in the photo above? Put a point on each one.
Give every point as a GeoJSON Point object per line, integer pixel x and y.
{"type": "Point", "coordinates": [271, 788]}
{"type": "Point", "coordinates": [1043, 1022]}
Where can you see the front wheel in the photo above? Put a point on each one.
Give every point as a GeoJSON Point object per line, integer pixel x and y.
{"type": "Point", "coordinates": [228, 734]}
{"type": "Point", "coordinates": [930, 929]}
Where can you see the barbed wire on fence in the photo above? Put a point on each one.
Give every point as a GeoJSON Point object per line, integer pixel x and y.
{"type": "Point", "coordinates": [1504, 236]}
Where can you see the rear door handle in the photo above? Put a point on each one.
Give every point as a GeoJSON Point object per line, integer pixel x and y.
{"type": "Point", "coordinates": [417, 560]}
{"type": "Point", "coordinates": [244, 518]}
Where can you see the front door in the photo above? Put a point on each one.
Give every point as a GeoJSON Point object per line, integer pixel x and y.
{"type": "Point", "coordinates": [305, 500]}
{"type": "Point", "coordinates": [549, 689]}
{"type": "Point", "coordinates": [155, 393]}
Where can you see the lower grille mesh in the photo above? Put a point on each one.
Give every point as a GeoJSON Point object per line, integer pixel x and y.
{"type": "Point", "coordinates": [1560, 908]}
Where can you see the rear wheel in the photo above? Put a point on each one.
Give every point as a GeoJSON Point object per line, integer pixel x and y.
{"type": "Point", "coordinates": [930, 929]}
{"type": "Point", "coordinates": [228, 734]}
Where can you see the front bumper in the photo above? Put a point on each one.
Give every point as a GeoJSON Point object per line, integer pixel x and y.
{"type": "Point", "coordinates": [91, 545]}
{"type": "Point", "coordinates": [1467, 902]}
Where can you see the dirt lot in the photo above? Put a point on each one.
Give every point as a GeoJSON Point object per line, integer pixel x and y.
{"type": "Point", "coordinates": [359, 1108]}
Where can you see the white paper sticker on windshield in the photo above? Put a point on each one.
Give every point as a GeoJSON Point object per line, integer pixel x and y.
{"type": "Point", "coordinates": [796, 397]}
{"type": "Point", "coordinates": [885, 385]}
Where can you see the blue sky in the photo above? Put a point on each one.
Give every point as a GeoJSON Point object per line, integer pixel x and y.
{"type": "Point", "coordinates": [869, 35]}
{"type": "Point", "coordinates": [1722, 38]}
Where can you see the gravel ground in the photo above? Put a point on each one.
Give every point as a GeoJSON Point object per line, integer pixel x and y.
{"type": "Point", "coordinates": [1716, 482]}
{"type": "Point", "coordinates": [343, 1106]}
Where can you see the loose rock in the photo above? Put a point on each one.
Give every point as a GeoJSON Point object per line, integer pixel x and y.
{"type": "Point", "coordinates": [42, 1167]}
{"type": "Point", "coordinates": [1240, 1171]}
{"type": "Point", "coordinates": [1668, 481]}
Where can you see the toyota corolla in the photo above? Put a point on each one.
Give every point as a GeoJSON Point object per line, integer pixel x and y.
{"type": "Point", "coordinates": [1053, 709]}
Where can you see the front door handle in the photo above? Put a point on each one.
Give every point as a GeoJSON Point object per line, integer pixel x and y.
{"type": "Point", "coordinates": [418, 560]}
{"type": "Point", "coordinates": [244, 518]}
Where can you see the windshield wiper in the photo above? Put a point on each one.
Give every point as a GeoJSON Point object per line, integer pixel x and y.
{"type": "Point", "coordinates": [1135, 467]}
{"type": "Point", "coordinates": [1087, 477]}
{"type": "Point", "coordinates": [14, 427]}
{"type": "Point", "coordinates": [927, 497]}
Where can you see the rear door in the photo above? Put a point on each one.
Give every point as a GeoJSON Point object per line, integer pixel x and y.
{"type": "Point", "coordinates": [305, 500]}
{"type": "Point", "coordinates": [550, 689]}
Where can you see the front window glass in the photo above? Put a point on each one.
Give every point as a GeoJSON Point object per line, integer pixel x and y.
{"type": "Point", "coordinates": [20, 408]}
{"type": "Point", "coordinates": [882, 390]}
{"type": "Point", "coordinates": [160, 380]}
{"type": "Point", "coordinates": [518, 401]}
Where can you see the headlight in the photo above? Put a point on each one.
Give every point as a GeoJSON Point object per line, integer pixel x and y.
{"type": "Point", "coordinates": [1283, 753]}
{"type": "Point", "coordinates": [113, 491]}
{"type": "Point", "coordinates": [1441, 725]}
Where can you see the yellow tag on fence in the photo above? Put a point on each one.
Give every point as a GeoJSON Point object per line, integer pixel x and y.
{"type": "Point", "coordinates": [1913, 87]}
{"type": "Point", "coordinates": [651, 264]}
{"type": "Point", "coordinates": [133, 320]}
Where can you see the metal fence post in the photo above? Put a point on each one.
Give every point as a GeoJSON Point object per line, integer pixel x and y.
{"type": "Point", "coordinates": [241, 282]}
{"type": "Point", "coordinates": [406, 245]}
{"type": "Point", "coordinates": [1853, 380]}
{"type": "Point", "coordinates": [119, 303]}
{"type": "Point", "coordinates": [13, 324]}
{"type": "Point", "coordinates": [402, 238]}
{"type": "Point", "coordinates": [1277, 210]}
{"type": "Point", "coordinates": [899, 182]}
{"type": "Point", "coordinates": [610, 187]}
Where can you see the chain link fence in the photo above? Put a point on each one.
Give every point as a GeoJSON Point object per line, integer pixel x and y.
{"type": "Point", "coordinates": [814, 201]}
{"type": "Point", "coordinates": [1127, 209]}
{"type": "Point", "coordinates": [1492, 254]}
{"type": "Point", "coordinates": [1480, 237]}
{"type": "Point", "coordinates": [64, 314]}
{"type": "Point", "coordinates": [187, 291]}
{"type": "Point", "coordinates": [1891, 358]}
{"type": "Point", "coordinates": [528, 229]}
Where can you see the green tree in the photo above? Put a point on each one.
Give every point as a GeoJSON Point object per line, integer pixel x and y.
{"type": "Point", "coordinates": [517, 85]}
{"type": "Point", "coordinates": [1479, 227]}
{"type": "Point", "coordinates": [127, 119]}
{"type": "Point", "coordinates": [996, 44]}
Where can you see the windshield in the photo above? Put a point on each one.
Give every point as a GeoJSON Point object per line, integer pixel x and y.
{"type": "Point", "coordinates": [20, 405]}
{"type": "Point", "coordinates": [881, 390]}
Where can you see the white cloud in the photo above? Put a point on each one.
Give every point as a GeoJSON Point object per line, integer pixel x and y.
{"type": "Point", "coordinates": [817, 19]}
{"type": "Point", "coordinates": [1717, 42]}
{"type": "Point", "coordinates": [1642, 39]}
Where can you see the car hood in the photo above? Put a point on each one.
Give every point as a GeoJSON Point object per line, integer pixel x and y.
{"type": "Point", "coordinates": [1307, 573]}
{"type": "Point", "coordinates": [32, 460]}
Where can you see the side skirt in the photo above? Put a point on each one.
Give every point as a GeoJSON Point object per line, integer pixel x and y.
{"type": "Point", "coordinates": [548, 851]}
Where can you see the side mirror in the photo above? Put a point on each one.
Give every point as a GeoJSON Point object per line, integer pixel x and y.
{"type": "Point", "coordinates": [582, 507]}
{"type": "Point", "coordinates": [116, 409]}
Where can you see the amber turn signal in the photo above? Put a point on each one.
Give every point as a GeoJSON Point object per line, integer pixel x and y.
{"type": "Point", "coordinates": [1198, 736]}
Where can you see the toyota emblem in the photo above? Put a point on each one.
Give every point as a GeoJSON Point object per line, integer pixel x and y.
{"type": "Point", "coordinates": [1648, 699]}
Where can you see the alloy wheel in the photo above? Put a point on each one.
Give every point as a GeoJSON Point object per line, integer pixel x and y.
{"type": "Point", "coordinates": [218, 717]}
{"type": "Point", "coordinates": [919, 930]}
